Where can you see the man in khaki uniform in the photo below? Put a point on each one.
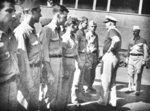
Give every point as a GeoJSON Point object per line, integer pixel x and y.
{"type": "Point", "coordinates": [70, 56]}
{"type": "Point", "coordinates": [93, 54]}
{"type": "Point", "coordinates": [137, 55]}
{"type": "Point", "coordinates": [52, 52]}
{"type": "Point", "coordinates": [110, 62]}
{"type": "Point", "coordinates": [29, 54]}
{"type": "Point", "coordinates": [8, 63]}
{"type": "Point", "coordinates": [78, 90]}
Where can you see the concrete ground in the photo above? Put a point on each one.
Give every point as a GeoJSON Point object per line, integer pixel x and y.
{"type": "Point", "coordinates": [125, 102]}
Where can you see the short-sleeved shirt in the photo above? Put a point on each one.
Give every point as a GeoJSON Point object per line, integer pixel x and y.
{"type": "Point", "coordinates": [92, 39]}
{"type": "Point", "coordinates": [8, 66]}
{"type": "Point", "coordinates": [29, 42]}
{"type": "Point", "coordinates": [29, 51]}
{"type": "Point", "coordinates": [69, 45]}
{"type": "Point", "coordinates": [51, 41]}
{"type": "Point", "coordinates": [112, 32]}
{"type": "Point", "coordinates": [82, 42]}
{"type": "Point", "coordinates": [136, 45]}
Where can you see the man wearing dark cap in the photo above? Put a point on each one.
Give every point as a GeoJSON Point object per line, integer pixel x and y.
{"type": "Point", "coordinates": [29, 54]}
{"type": "Point", "coordinates": [52, 52]}
{"type": "Point", "coordinates": [110, 62]}
{"type": "Point", "coordinates": [8, 69]}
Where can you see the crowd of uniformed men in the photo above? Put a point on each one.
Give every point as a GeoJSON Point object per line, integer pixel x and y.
{"type": "Point", "coordinates": [61, 58]}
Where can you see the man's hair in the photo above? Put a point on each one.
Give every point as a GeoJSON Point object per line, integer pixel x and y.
{"type": "Point", "coordinates": [72, 20]}
{"type": "Point", "coordinates": [59, 8]}
{"type": "Point", "coordinates": [2, 2]}
{"type": "Point", "coordinates": [83, 19]}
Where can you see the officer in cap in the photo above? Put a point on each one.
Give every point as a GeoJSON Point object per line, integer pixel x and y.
{"type": "Point", "coordinates": [110, 62]}
{"type": "Point", "coordinates": [137, 55]}
{"type": "Point", "coordinates": [29, 56]}
{"type": "Point", "coordinates": [93, 53]}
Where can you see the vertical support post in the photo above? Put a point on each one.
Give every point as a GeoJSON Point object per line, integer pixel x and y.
{"type": "Point", "coordinates": [61, 2]}
{"type": "Point", "coordinates": [140, 7]}
{"type": "Point", "coordinates": [108, 5]}
{"type": "Point", "coordinates": [94, 4]}
{"type": "Point", "coordinates": [76, 4]}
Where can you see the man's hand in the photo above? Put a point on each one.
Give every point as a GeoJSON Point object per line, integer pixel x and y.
{"type": "Point", "coordinates": [127, 60]}
{"type": "Point", "coordinates": [50, 76]}
{"type": "Point", "coordinates": [144, 62]}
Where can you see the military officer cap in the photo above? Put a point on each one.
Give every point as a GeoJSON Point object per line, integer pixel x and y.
{"type": "Point", "coordinates": [45, 21]}
{"type": "Point", "coordinates": [30, 4]}
{"type": "Point", "coordinates": [92, 23]}
{"type": "Point", "coordinates": [136, 27]}
{"type": "Point", "coordinates": [110, 19]}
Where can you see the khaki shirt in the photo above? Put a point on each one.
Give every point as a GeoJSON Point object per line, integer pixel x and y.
{"type": "Point", "coordinates": [82, 42]}
{"type": "Point", "coordinates": [69, 45]}
{"type": "Point", "coordinates": [113, 41]}
{"type": "Point", "coordinates": [29, 51]}
{"type": "Point", "coordinates": [138, 46]}
{"type": "Point", "coordinates": [51, 41]}
{"type": "Point", "coordinates": [92, 39]}
{"type": "Point", "coordinates": [8, 64]}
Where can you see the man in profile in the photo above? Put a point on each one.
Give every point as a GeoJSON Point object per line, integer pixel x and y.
{"type": "Point", "coordinates": [29, 54]}
{"type": "Point", "coordinates": [110, 62]}
{"type": "Point", "coordinates": [52, 52]}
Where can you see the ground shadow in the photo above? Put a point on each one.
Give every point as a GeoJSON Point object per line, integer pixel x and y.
{"type": "Point", "coordinates": [125, 99]}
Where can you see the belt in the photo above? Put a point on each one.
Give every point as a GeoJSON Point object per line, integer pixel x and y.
{"type": "Point", "coordinates": [55, 56]}
{"type": "Point", "coordinates": [136, 54]}
{"type": "Point", "coordinates": [35, 65]}
{"type": "Point", "coordinates": [69, 56]}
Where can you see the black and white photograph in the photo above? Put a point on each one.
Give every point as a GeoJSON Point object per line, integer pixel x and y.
{"type": "Point", "coordinates": [74, 55]}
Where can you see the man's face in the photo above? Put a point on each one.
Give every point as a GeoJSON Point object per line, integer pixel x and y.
{"type": "Point", "coordinates": [85, 24]}
{"type": "Point", "coordinates": [62, 18]}
{"type": "Point", "coordinates": [6, 14]}
{"type": "Point", "coordinates": [37, 14]}
{"type": "Point", "coordinates": [136, 33]}
{"type": "Point", "coordinates": [92, 28]}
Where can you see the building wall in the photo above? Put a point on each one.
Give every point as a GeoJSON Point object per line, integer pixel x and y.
{"type": "Point", "coordinates": [125, 24]}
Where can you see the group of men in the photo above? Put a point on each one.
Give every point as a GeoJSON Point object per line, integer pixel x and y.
{"type": "Point", "coordinates": [62, 57]}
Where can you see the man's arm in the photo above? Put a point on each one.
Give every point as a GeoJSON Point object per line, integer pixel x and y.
{"type": "Point", "coordinates": [97, 44]}
{"type": "Point", "coordinates": [23, 62]}
{"type": "Point", "coordinates": [44, 36]}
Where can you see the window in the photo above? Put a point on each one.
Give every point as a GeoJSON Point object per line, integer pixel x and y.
{"type": "Point", "coordinates": [69, 3]}
{"type": "Point", "coordinates": [146, 7]}
{"type": "Point", "coordinates": [85, 4]}
{"type": "Point", "coordinates": [130, 6]}
{"type": "Point", "coordinates": [101, 5]}
{"type": "Point", "coordinates": [56, 2]}
{"type": "Point", "coordinates": [43, 2]}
